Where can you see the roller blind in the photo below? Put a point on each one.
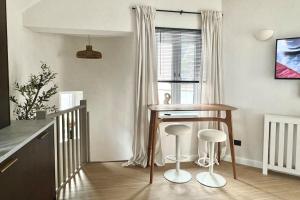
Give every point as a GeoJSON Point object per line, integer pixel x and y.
{"type": "Point", "coordinates": [178, 55]}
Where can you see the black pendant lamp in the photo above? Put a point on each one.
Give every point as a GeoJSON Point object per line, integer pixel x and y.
{"type": "Point", "coordinates": [89, 53]}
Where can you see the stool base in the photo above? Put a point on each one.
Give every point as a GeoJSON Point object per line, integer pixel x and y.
{"type": "Point", "coordinates": [175, 177]}
{"type": "Point", "coordinates": [211, 179]}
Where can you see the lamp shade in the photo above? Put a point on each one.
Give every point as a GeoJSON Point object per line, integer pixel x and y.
{"type": "Point", "coordinates": [264, 35]}
{"type": "Point", "coordinates": [89, 53]}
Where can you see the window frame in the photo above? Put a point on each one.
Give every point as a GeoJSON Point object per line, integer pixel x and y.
{"type": "Point", "coordinates": [176, 88]}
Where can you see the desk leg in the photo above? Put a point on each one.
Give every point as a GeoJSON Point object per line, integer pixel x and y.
{"type": "Point", "coordinates": [219, 144]}
{"type": "Point", "coordinates": [230, 134]}
{"type": "Point", "coordinates": [151, 126]}
{"type": "Point", "coordinates": [154, 127]}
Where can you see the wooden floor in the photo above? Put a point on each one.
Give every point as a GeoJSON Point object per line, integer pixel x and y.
{"type": "Point", "coordinates": [111, 181]}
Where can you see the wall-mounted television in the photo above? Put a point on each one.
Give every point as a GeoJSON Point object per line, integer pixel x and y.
{"type": "Point", "coordinates": [287, 58]}
{"type": "Point", "coordinates": [4, 96]}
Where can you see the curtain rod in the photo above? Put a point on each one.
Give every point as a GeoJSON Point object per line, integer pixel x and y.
{"type": "Point", "coordinates": [175, 11]}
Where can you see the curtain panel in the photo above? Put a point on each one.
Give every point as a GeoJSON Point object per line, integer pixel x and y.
{"type": "Point", "coordinates": [211, 88]}
{"type": "Point", "coordinates": [146, 86]}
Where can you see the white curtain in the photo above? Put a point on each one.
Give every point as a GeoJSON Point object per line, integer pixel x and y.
{"type": "Point", "coordinates": [146, 86]}
{"type": "Point", "coordinates": [211, 89]}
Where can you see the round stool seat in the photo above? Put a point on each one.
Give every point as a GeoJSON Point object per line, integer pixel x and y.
{"type": "Point", "coordinates": [212, 135]}
{"type": "Point", "coordinates": [177, 129]}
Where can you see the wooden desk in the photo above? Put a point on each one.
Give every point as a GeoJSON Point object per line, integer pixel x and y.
{"type": "Point", "coordinates": [155, 119]}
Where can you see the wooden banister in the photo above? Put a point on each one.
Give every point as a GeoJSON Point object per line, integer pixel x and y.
{"type": "Point", "coordinates": [72, 141]}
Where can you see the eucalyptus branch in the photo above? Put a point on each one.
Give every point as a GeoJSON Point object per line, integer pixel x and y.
{"type": "Point", "coordinates": [34, 94]}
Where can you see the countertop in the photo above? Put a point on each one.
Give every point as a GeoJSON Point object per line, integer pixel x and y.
{"type": "Point", "coordinates": [18, 134]}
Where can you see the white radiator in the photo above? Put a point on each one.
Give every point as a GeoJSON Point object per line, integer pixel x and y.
{"type": "Point", "coordinates": [281, 144]}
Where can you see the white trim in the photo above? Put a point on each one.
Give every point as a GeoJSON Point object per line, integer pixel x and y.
{"type": "Point", "coordinates": [245, 161]}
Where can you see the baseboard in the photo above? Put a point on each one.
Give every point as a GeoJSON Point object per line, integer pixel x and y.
{"type": "Point", "coordinates": [245, 161]}
{"type": "Point", "coordinates": [192, 158]}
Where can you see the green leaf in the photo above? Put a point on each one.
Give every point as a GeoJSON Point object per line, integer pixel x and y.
{"type": "Point", "coordinates": [33, 94]}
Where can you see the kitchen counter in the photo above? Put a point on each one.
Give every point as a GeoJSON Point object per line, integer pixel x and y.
{"type": "Point", "coordinates": [20, 133]}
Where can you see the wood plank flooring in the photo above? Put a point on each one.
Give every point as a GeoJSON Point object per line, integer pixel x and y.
{"type": "Point", "coordinates": [101, 181]}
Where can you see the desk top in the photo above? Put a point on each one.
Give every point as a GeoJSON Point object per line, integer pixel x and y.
{"type": "Point", "coordinates": [190, 107]}
{"type": "Point", "coordinates": [18, 134]}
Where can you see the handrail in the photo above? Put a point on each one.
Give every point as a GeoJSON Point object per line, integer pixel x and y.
{"type": "Point", "coordinates": [60, 112]}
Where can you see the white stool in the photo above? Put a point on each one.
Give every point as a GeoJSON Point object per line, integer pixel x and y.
{"type": "Point", "coordinates": [210, 178]}
{"type": "Point", "coordinates": [177, 175]}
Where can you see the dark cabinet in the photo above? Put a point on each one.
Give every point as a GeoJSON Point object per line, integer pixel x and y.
{"type": "Point", "coordinates": [29, 174]}
{"type": "Point", "coordinates": [4, 84]}
{"type": "Point", "coordinates": [45, 167]}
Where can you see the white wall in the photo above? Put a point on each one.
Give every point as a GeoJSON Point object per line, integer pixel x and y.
{"type": "Point", "coordinates": [107, 84]}
{"type": "Point", "coordinates": [27, 49]}
{"type": "Point", "coordinates": [248, 64]}
{"type": "Point", "coordinates": [249, 67]}
{"type": "Point", "coordinates": [103, 17]}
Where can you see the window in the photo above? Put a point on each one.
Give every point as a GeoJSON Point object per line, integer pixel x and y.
{"type": "Point", "coordinates": [178, 61]}
{"type": "Point", "coordinates": [69, 99]}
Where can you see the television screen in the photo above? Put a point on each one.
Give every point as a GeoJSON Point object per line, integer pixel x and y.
{"type": "Point", "coordinates": [288, 58]}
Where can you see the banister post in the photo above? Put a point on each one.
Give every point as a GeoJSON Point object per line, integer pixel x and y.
{"type": "Point", "coordinates": [83, 132]}
{"type": "Point", "coordinates": [88, 137]}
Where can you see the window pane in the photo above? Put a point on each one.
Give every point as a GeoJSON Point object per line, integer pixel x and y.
{"type": "Point", "coordinates": [178, 54]}
{"type": "Point", "coordinates": [165, 61]}
{"type": "Point", "coordinates": [164, 56]}
{"type": "Point", "coordinates": [162, 89]}
{"type": "Point", "coordinates": [187, 93]}
{"type": "Point", "coordinates": [178, 61]}
{"type": "Point", "coordinates": [181, 93]}
{"type": "Point", "coordinates": [188, 54]}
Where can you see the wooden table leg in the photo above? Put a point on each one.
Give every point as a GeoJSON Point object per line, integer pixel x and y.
{"type": "Point", "coordinates": [219, 152]}
{"type": "Point", "coordinates": [153, 142]}
{"type": "Point", "coordinates": [151, 125]}
{"type": "Point", "coordinates": [230, 134]}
